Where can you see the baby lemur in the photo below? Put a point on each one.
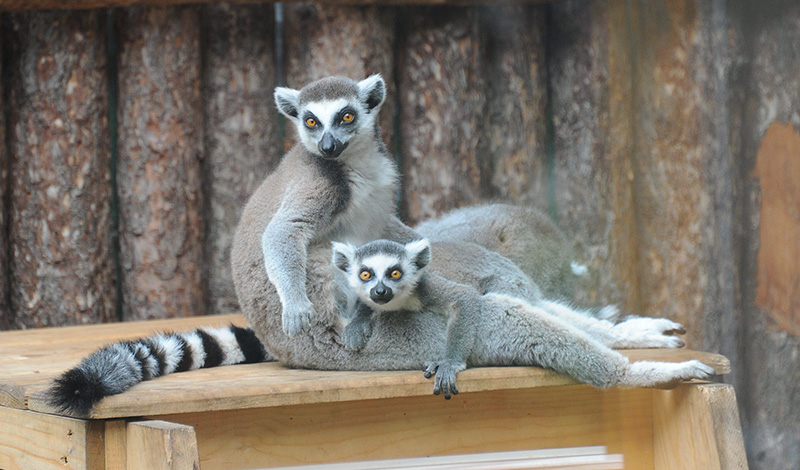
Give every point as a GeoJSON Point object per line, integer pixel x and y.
{"type": "Point", "coordinates": [505, 323]}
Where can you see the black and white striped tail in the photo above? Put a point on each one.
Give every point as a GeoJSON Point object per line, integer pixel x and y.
{"type": "Point", "coordinates": [119, 366]}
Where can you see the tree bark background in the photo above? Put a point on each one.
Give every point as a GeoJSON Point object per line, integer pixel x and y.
{"type": "Point", "coordinates": [242, 138]}
{"type": "Point", "coordinates": [59, 220]}
{"type": "Point", "coordinates": [5, 269]}
{"type": "Point", "coordinates": [160, 146]}
{"type": "Point", "coordinates": [352, 41]}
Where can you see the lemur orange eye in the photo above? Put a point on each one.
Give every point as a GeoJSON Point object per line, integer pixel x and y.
{"type": "Point", "coordinates": [311, 122]}
{"type": "Point", "coordinates": [396, 274]}
{"type": "Point", "coordinates": [365, 275]}
{"type": "Point", "coordinates": [348, 117]}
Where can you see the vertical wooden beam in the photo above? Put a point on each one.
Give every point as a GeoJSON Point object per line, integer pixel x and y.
{"type": "Point", "coordinates": [41, 441]}
{"type": "Point", "coordinates": [161, 445]}
{"type": "Point", "coordinates": [242, 138]}
{"type": "Point", "coordinates": [442, 104]}
{"type": "Point", "coordinates": [5, 306]}
{"type": "Point", "coordinates": [697, 427]}
{"type": "Point", "coordinates": [60, 162]}
{"type": "Point", "coordinates": [160, 145]}
{"type": "Point", "coordinates": [514, 137]}
{"type": "Point", "coordinates": [116, 444]}
{"type": "Point", "coordinates": [352, 41]}
{"type": "Point", "coordinates": [771, 130]}
{"type": "Point", "coordinates": [590, 73]}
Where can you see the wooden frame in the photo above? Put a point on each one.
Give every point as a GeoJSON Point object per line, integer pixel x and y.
{"type": "Point", "coordinates": [264, 415]}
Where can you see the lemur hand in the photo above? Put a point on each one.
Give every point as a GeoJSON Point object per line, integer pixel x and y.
{"type": "Point", "coordinates": [445, 381]}
{"type": "Point", "coordinates": [356, 334]}
{"type": "Point", "coordinates": [297, 317]}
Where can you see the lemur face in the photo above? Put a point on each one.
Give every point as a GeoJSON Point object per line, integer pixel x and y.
{"type": "Point", "coordinates": [333, 114]}
{"type": "Point", "coordinates": [383, 273]}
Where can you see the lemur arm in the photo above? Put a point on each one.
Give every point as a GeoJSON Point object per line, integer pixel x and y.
{"type": "Point", "coordinates": [357, 332]}
{"type": "Point", "coordinates": [462, 305]}
{"type": "Point", "coordinates": [285, 246]}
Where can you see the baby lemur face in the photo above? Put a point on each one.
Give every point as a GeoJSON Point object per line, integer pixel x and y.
{"type": "Point", "coordinates": [383, 273]}
{"type": "Point", "coordinates": [333, 114]}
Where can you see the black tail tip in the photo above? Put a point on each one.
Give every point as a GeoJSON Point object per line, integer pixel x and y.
{"type": "Point", "coordinates": [75, 393]}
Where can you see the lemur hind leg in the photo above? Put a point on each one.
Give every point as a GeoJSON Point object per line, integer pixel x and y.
{"type": "Point", "coordinates": [632, 333]}
{"type": "Point", "coordinates": [533, 336]}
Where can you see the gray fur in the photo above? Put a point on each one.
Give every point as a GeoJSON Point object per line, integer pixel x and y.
{"type": "Point", "coordinates": [512, 325]}
{"type": "Point", "coordinates": [288, 226]}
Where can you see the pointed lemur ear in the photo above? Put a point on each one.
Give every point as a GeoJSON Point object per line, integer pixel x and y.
{"type": "Point", "coordinates": [286, 100]}
{"type": "Point", "coordinates": [372, 91]}
{"type": "Point", "coordinates": [343, 255]}
{"type": "Point", "coordinates": [419, 252]}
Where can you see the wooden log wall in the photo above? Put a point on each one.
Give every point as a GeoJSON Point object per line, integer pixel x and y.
{"type": "Point", "coordinates": [663, 136]}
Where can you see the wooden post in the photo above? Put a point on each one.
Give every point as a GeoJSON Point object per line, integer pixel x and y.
{"type": "Point", "coordinates": [161, 445]}
{"type": "Point", "coordinates": [590, 78]}
{"type": "Point", "coordinates": [318, 44]}
{"type": "Point", "coordinates": [442, 104]}
{"type": "Point", "coordinates": [160, 144]}
{"type": "Point", "coordinates": [514, 135]}
{"type": "Point", "coordinates": [770, 290]}
{"type": "Point", "coordinates": [242, 138]}
{"type": "Point", "coordinates": [60, 221]}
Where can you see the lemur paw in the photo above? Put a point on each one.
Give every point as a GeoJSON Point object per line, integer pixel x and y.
{"type": "Point", "coordinates": [356, 334]}
{"type": "Point", "coordinates": [644, 332]}
{"type": "Point", "coordinates": [445, 380]}
{"type": "Point", "coordinates": [666, 374]}
{"type": "Point", "coordinates": [297, 318]}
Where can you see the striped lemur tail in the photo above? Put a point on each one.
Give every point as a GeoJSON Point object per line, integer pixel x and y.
{"type": "Point", "coordinates": [118, 366]}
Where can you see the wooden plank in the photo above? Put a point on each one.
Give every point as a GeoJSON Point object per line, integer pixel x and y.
{"type": "Point", "coordinates": [589, 65]}
{"type": "Point", "coordinates": [424, 426]}
{"type": "Point", "coordinates": [160, 445]}
{"type": "Point", "coordinates": [769, 390]}
{"type": "Point", "coordinates": [313, 36]}
{"type": "Point", "coordinates": [33, 440]}
{"type": "Point", "coordinates": [242, 141]}
{"type": "Point", "coordinates": [160, 144]}
{"type": "Point", "coordinates": [442, 86]}
{"type": "Point", "coordinates": [60, 218]}
{"type": "Point", "coordinates": [15, 5]}
{"type": "Point", "coordinates": [116, 444]}
{"type": "Point", "coordinates": [574, 457]}
{"type": "Point", "coordinates": [267, 385]}
{"type": "Point", "coordinates": [5, 301]}
{"type": "Point", "coordinates": [697, 427]}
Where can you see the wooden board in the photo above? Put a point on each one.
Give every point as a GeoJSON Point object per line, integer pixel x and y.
{"type": "Point", "coordinates": [31, 440]}
{"type": "Point", "coordinates": [500, 420]}
{"type": "Point", "coordinates": [30, 359]}
{"type": "Point", "coordinates": [161, 445]}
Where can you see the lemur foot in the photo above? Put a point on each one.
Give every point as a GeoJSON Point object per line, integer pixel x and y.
{"type": "Point", "coordinates": [666, 374]}
{"type": "Point", "coordinates": [644, 332]}
{"type": "Point", "coordinates": [356, 334]}
{"type": "Point", "coordinates": [297, 318]}
{"type": "Point", "coordinates": [445, 380]}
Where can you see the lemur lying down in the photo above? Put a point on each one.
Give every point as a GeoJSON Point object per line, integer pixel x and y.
{"type": "Point", "coordinates": [505, 323]}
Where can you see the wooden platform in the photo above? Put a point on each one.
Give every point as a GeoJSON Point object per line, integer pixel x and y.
{"type": "Point", "coordinates": [264, 415]}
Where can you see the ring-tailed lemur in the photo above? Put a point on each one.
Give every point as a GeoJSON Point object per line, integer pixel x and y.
{"type": "Point", "coordinates": [118, 366]}
{"type": "Point", "coordinates": [337, 182]}
{"type": "Point", "coordinates": [509, 326]}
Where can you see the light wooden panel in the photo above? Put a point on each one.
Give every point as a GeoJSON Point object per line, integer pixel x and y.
{"type": "Point", "coordinates": [700, 425]}
{"type": "Point", "coordinates": [160, 445]}
{"type": "Point", "coordinates": [30, 440]}
{"type": "Point", "coordinates": [421, 426]}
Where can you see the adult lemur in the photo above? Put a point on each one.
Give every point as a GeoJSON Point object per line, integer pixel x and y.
{"type": "Point", "coordinates": [506, 323]}
{"type": "Point", "coordinates": [338, 183]}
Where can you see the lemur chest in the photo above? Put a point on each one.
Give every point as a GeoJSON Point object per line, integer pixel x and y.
{"type": "Point", "coordinates": [371, 203]}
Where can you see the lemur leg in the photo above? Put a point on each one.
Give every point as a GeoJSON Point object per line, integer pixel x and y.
{"type": "Point", "coordinates": [540, 338]}
{"type": "Point", "coordinates": [629, 334]}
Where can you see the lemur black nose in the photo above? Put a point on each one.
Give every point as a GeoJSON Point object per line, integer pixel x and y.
{"type": "Point", "coordinates": [381, 294]}
{"type": "Point", "coordinates": [329, 146]}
